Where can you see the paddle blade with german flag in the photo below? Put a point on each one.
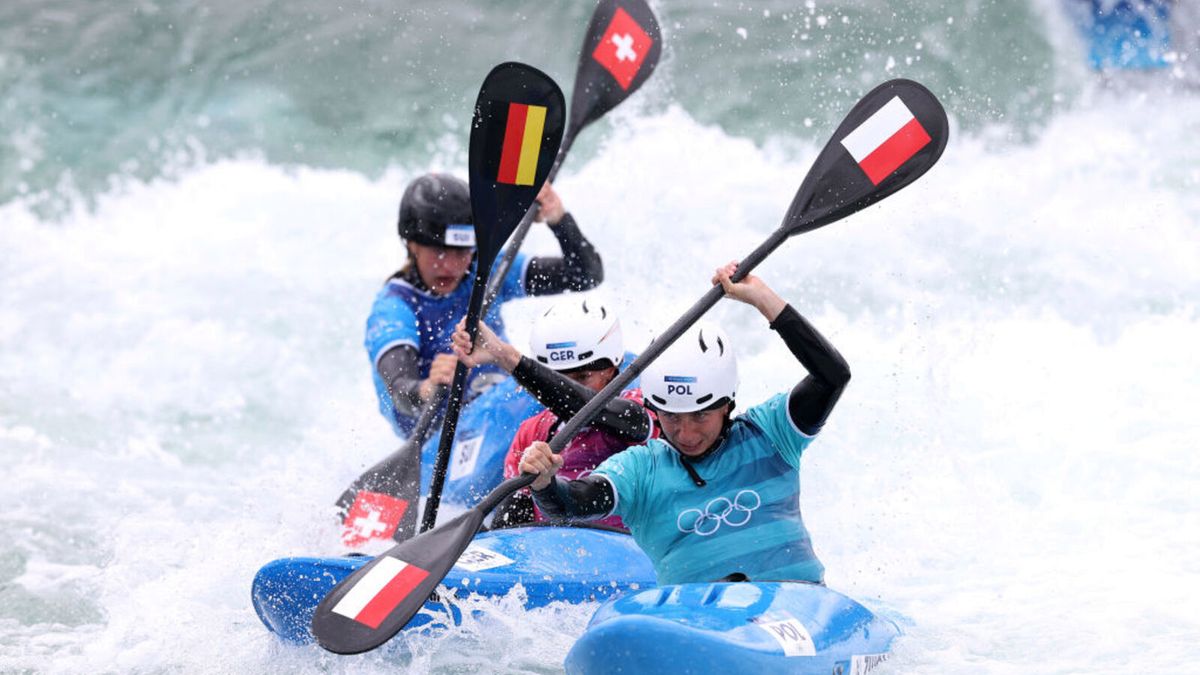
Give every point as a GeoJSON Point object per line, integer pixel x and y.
{"type": "Point", "coordinates": [889, 139]}
{"type": "Point", "coordinates": [620, 51]}
{"type": "Point", "coordinates": [518, 126]}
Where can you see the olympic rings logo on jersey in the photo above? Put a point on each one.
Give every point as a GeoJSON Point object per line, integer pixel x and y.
{"type": "Point", "coordinates": [722, 510]}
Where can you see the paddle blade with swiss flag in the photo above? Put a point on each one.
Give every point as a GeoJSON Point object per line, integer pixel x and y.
{"type": "Point", "coordinates": [890, 138]}
{"type": "Point", "coordinates": [624, 43]}
{"type": "Point", "coordinates": [382, 503]}
{"type": "Point", "coordinates": [371, 516]}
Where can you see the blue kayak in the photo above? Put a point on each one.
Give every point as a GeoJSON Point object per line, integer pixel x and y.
{"type": "Point", "coordinates": [553, 564]}
{"type": "Point", "coordinates": [747, 627]}
{"type": "Point", "coordinates": [485, 430]}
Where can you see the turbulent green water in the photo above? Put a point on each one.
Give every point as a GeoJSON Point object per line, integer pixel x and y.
{"type": "Point", "coordinates": [108, 88]}
{"type": "Point", "coordinates": [197, 205]}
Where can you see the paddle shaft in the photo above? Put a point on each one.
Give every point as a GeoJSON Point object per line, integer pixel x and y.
{"type": "Point", "coordinates": [442, 460]}
{"type": "Point", "coordinates": [453, 408]}
{"type": "Point", "coordinates": [424, 424]}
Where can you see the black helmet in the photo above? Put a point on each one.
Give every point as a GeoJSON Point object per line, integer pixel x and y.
{"type": "Point", "coordinates": [436, 211]}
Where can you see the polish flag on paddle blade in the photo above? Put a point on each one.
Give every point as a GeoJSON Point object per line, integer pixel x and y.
{"type": "Point", "coordinates": [379, 591]}
{"type": "Point", "coordinates": [623, 48]}
{"type": "Point", "coordinates": [886, 140]}
{"type": "Point", "coordinates": [373, 515]}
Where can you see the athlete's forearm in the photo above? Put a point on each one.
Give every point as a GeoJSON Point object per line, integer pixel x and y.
{"type": "Point", "coordinates": [586, 498]}
{"type": "Point", "coordinates": [400, 369]}
{"type": "Point", "coordinates": [579, 269]}
{"type": "Point", "coordinates": [814, 397]}
{"type": "Point", "coordinates": [564, 397]}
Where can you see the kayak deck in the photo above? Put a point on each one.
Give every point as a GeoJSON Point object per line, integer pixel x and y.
{"type": "Point", "coordinates": [552, 564]}
{"type": "Point", "coordinates": [748, 627]}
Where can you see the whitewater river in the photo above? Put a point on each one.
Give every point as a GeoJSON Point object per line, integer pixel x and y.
{"type": "Point", "coordinates": [197, 205]}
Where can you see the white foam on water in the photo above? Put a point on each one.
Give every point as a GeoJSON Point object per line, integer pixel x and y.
{"type": "Point", "coordinates": [1010, 475]}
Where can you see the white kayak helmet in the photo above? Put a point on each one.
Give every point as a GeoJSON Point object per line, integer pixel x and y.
{"type": "Point", "coordinates": [575, 333]}
{"type": "Point", "coordinates": [697, 372]}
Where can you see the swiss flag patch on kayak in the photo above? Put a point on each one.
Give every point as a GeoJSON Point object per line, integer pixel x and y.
{"type": "Point", "coordinates": [886, 140]}
{"type": "Point", "coordinates": [379, 591]}
{"type": "Point", "coordinates": [623, 48]}
{"type": "Point", "coordinates": [373, 515]}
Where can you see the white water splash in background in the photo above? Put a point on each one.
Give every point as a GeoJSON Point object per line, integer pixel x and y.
{"type": "Point", "coordinates": [1011, 474]}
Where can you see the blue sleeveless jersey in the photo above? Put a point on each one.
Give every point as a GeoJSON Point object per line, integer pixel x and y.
{"type": "Point", "coordinates": [746, 519]}
{"type": "Point", "coordinates": [406, 315]}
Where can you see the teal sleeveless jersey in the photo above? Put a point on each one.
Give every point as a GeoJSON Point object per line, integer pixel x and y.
{"type": "Point", "coordinates": [746, 519]}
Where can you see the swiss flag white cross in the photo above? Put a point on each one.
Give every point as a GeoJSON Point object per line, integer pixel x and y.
{"type": "Point", "coordinates": [624, 45]}
{"type": "Point", "coordinates": [373, 515]}
{"type": "Point", "coordinates": [369, 525]}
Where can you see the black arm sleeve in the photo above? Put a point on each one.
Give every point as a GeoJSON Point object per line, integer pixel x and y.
{"type": "Point", "coordinates": [400, 368]}
{"type": "Point", "coordinates": [579, 268]}
{"type": "Point", "coordinates": [514, 511]}
{"type": "Point", "coordinates": [626, 419]}
{"type": "Point", "coordinates": [587, 498]}
{"type": "Point", "coordinates": [813, 398]}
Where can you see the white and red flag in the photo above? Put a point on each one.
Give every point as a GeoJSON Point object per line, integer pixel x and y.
{"type": "Point", "coordinates": [886, 140]}
{"type": "Point", "coordinates": [379, 591]}
{"type": "Point", "coordinates": [373, 515]}
{"type": "Point", "coordinates": [623, 48]}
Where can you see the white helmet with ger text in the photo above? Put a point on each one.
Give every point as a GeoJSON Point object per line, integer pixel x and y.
{"type": "Point", "coordinates": [697, 372]}
{"type": "Point", "coordinates": [575, 333]}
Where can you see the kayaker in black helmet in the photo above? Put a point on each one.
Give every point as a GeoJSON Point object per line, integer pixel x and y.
{"type": "Point", "coordinates": [408, 332]}
{"type": "Point", "coordinates": [715, 495]}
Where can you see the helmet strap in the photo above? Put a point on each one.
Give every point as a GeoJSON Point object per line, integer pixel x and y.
{"type": "Point", "coordinates": [689, 461]}
{"type": "Point", "coordinates": [687, 464]}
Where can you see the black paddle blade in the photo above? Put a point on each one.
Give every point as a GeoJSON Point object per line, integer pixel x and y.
{"type": "Point", "coordinates": [383, 502]}
{"type": "Point", "coordinates": [620, 51]}
{"type": "Point", "coordinates": [889, 139]}
{"type": "Point", "coordinates": [370, 606]}
{"type": "Point", "coordinates": [518, 126]}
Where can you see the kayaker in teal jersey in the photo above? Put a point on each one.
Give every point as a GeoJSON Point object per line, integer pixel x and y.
{"type": "Point", "coordinates": [715, 495]}
{"type": "Point", "coordinates": [408, 332]}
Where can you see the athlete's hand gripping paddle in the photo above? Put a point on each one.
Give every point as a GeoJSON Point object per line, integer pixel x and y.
{"type": "Point", "coordinates": [889, 139]}
{"type": "Point", "coordinates": [620, 50]}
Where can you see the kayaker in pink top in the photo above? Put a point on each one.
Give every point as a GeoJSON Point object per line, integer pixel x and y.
{"type": "Point", "coordinates": [577, 350]}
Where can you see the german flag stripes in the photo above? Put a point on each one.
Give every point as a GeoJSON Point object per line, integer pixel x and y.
{"type": "Point", "coordinates": [522, 142]}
